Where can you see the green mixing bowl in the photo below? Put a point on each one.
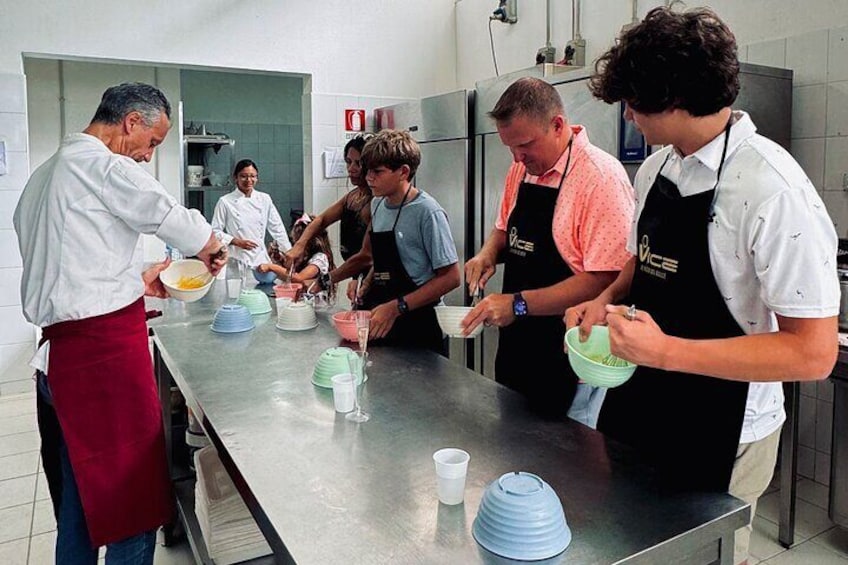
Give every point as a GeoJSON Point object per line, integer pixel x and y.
{"type": "Point", "coordinates": [592, 361]}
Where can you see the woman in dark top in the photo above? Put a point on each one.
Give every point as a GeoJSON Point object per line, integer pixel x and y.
{"type": "Point", "coordinates": [353, 210]}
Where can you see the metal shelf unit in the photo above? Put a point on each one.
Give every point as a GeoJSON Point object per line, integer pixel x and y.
{"type": "Point", "coordinates": [196, 152]}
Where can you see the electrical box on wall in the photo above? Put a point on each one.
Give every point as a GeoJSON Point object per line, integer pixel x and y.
{"type": "Point", "coordinates": [632, 147]}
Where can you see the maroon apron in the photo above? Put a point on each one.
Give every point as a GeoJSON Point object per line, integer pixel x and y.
{"type": "Point", "coordinates": [101, 380]}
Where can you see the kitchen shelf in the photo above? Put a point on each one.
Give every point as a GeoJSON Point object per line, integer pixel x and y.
{"type": "Point", "coordinates": [196, 151]}
{"type": "Point", "coordinates": [209, 139]}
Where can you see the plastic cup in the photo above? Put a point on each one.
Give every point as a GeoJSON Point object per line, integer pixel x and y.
{"type": "Point", "coordinates": [233, 288]}
{"type": "Point", "coordinates": [451, 468]}
{"type": "Point", "coordinates": [343, 392]}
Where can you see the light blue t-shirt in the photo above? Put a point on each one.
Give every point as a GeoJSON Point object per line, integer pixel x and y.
{"type": "Point", "coordinates": [422, 234]}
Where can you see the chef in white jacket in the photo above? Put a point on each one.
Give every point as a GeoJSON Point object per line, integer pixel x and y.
{"type": "Point", "coordinates": [78, 223]}
{"type": "Point", "coordinates": [242, 217]}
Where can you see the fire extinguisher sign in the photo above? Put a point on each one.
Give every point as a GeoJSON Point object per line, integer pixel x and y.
{"type": "Point", "coordinates": [354, 120]}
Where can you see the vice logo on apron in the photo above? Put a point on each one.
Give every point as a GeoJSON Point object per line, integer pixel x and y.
{"type": "Point", "coordinates": [654, 264]}
{"type": "Point", "coordinates": [519, 246]}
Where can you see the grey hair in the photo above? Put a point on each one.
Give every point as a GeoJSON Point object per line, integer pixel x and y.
{"type": "Point", "coordinates": [120, 100]}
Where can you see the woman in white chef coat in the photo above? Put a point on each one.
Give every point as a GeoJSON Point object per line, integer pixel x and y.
{"type": "Point", "coordinates": [242, 217]}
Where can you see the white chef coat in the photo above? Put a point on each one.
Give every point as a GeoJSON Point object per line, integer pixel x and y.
{"type": "Point", "coordinates": [79, 221]}
{"type": "Point", "coordinates": [236, 215]}
{"type": "Point", "coordinates": [772, 245]}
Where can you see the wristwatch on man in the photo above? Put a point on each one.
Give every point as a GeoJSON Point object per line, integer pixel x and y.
{"type": "Point", "coordinates": [519, 305]}
{"type": "Point", "coordinates": [403, 307]}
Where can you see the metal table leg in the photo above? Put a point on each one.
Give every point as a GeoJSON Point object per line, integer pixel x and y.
{"type": "Point", "coordinates": [789, 465]}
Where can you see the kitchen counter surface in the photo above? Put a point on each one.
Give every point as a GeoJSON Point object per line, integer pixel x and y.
{"type": "Point", "coordinates": [321, 487]}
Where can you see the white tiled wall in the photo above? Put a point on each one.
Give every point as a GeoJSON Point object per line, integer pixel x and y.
{"type": "Point", "coordinates": [16, 335]}
{"type": "Point", "coordinates": [323, 121]}
{"type": "Point", "coordinates": [819, 60]}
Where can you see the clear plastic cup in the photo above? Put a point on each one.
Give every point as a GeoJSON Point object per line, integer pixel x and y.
{"type": "Point", "coordinates": [233, 288]}
{"type": "Point", "coordinates": [343, 392]}
{"type": "Point", "coordinates": [451, 469]}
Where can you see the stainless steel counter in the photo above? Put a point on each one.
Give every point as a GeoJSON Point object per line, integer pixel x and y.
{"type": "Point", "coordinates": [324, 489]}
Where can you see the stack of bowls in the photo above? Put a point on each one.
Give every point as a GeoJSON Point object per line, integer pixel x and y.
{"type": "Point", "coordinates": [449, 318]}
{"type": "Point", "coordinates": [591, 360]}
{"type": "Point", "coordinates": [187, 269]}
{"type": "Point", "coordinates": [255, 301]}
{"type": "Point", "coordinates": [232, 318]}
{"type": "Point", "coordinates": [333, 361]}
{"type": "Point", "coordinates": [264, 278]}
{"type": "Point", "coordinates": [521, 517]}
{"type": "Point", "coordinates": [297, 316]}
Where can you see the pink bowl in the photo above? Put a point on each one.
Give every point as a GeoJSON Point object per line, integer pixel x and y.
{"type": "Point", "coordinates": [345, 324]}
{"type": "Point", "coordinates": [288, 290]}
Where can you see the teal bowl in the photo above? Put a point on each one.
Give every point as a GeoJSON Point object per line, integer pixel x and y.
{"type": "Point", "coordinates": [587, 359]}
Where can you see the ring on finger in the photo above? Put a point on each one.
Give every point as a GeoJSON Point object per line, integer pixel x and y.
{"type": "Point", "coordinates": [631, 313]}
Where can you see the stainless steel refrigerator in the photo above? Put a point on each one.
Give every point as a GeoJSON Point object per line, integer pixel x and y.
{"type": "Point", "coordinates": [441, 125]}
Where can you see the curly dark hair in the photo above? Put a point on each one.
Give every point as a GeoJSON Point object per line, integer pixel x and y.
{"type": "Point", "coordinates": [671, 60]}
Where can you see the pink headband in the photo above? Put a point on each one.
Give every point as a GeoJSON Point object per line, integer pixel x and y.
{"type": "Point", "coordinates": [304, 219]}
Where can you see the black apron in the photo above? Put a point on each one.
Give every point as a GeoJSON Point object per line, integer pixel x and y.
{"type": "Point", "coordinates": [352, 229]}
{"type": "Point", "coordinates": [532, 261]}
{"type": "Point", "coordinates": [416, 328]}
{"type": "Point", "coordinates": [688, 424]}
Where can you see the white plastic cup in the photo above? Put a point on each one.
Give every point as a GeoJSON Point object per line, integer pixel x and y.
{"type": "Point", "coordinates": [233, 288]}
{"type": "Point", "coordinates": [343, 392]}
{"type": "Point", "coordinates": [451, 468]}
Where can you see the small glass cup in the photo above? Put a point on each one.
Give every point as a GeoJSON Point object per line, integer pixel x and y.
{"type": "Point", "coordinates": [357, 367]}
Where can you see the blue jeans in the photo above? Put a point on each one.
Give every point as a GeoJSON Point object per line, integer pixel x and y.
{"type": "Point", "coordinates": [587, 403]}
{"type": "Point", "coordinates": [73, 544]}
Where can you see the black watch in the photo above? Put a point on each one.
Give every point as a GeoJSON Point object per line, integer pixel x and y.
{"type": "Point", "coordinates": [519, 305]}
{"type": "Point", "coordinates": [403, 307]}
{"type": "Point", "coordinates": [324, 281]}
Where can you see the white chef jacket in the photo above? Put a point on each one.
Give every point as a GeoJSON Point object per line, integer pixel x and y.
{"type": "Point", "coordinates": [79, 221]}
{"type": "Point", "coordinates": [236, 215]}
{"type": "Point", "coordinates": [772, 245]}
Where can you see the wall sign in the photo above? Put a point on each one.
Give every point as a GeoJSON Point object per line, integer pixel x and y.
{"type": "Point", "coordinates": [354, 120]}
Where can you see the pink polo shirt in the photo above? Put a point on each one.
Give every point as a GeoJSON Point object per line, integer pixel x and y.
{"type": "Point", "coordinates": [594, 209]}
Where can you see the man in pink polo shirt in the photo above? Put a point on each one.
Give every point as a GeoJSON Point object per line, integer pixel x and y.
{"type": "Point", "coordinates": [561, 234]}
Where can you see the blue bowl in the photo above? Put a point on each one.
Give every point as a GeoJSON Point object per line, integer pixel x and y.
{"type": "Point", "coordinates": [521, 517]}
{"type": "Point", "coordinates": [264, 278]}
{"type": "Point", "coordinates": [232, 318]}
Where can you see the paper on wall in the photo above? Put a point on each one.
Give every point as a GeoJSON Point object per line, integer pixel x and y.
{"type": "Point", "coordinates": [334, 164]}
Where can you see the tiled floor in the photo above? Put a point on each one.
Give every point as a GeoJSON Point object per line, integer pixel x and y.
{"type": "Point", "coordinates": [27, 526]}
{"type": "Point", "coordinates": [28, 530]}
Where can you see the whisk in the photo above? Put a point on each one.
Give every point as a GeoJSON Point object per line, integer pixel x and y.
{"type": "Point", "coordinates": [612, 361]}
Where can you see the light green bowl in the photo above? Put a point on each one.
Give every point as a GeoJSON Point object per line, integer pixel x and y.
{"type": "Point", "coordinates": [585, 358]}
{"type": "Point", "coordinates": [255, 301]}
{"type": "Point", "coordinates": [333, 361]}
